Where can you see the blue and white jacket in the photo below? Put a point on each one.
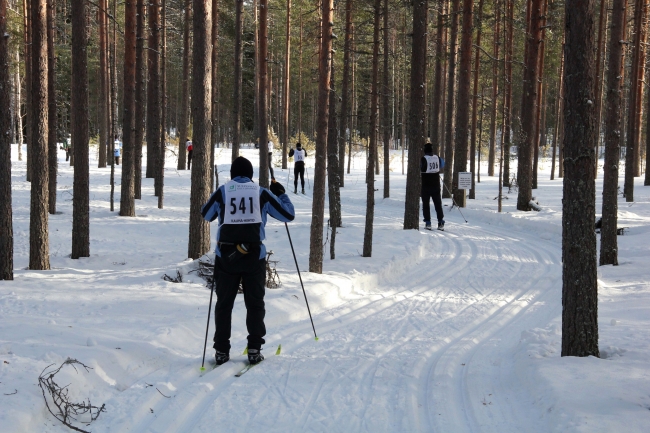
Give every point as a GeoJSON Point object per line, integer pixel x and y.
{"type": "Point", "coordinates": [279, 208]}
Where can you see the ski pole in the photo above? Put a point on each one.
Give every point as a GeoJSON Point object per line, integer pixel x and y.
{"type": "Point", "coordinates": [207, 326]}
{"type": "Point", "coordinates": [300, 277]}
{"type": "Point", "coordinates": [307, 171]}
{"type": "Point", "coordinates": [454, 201]}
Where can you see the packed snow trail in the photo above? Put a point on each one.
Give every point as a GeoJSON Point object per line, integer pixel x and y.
{"type": "Point", "coordinates": [418, 354]}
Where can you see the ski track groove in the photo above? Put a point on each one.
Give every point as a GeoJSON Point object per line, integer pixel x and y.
{"type": "Point", "coordinates": [461, 345]}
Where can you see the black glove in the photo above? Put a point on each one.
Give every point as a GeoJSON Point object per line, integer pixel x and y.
{"type": "Point", "coordinates": [277, 188]}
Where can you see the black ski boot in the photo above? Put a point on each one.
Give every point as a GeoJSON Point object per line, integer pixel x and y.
{"type": "Point", "coordinates": [441, 225]}
{"type": "Point", "coordinates": [303, 190]}
{"type": "Point", "coordinates": [255, 356]}
{"type": "Point", "coordinates": [221, 357]}
{"type": "Point", "coordinates": [295, 190]}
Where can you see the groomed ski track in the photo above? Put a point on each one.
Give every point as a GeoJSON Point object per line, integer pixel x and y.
{"type": "Point", "coordinates": [428, 349]}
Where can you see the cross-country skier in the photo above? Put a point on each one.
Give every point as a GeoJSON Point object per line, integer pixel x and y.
{"type": "Point", "coordinates": [299, 156]}
{"type": "Point", "coordinates": [271, 160]}
{"type": "Point", "coordinates": [242, 208]}
{"type": "Point", "coordinates": [190, 151]}
{"type": "Point", "coordinates": [430, 167]}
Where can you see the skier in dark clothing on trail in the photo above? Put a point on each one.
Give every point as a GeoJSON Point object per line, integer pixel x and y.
{"type": "Point", "coordinates": [242, 208]}
{"type": "Point", "coordinates": [299, 156]}
{"type": "Point", "coordinates": [430, 167]}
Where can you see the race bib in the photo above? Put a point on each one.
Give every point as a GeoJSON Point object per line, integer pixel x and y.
{"type": "Point", "coordinates": [433, 164]}
{"type": "Point", "coordinates": [299, 156]}
{"type": "Point", "coordinates": [242, 203]}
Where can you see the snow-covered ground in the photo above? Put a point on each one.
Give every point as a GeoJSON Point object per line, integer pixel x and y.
{"type": "Point", "coordinates": [447, 332]}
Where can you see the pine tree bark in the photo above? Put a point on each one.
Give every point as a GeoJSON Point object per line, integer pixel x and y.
{"type": "Point", "coordinates": [51, 107]}
{"type": "Point", "coordinates": [287, 89]}
{"type": "Point", "coordinates": [127, 199]}
{"type": "Point", "coordinates": [462, 113]}
{"type": "Point", "coordinates": [263, 87]}
{"type": "Point", "coordinates": [334, 195]}
{"type": "Point", "coordinates": [495, 90]}
{"type": "Point", "coordinates": [613, 106]}
{"type": "Point", "coordinates": [345, 96]}
{"type": "Point", "coordinates": [579, 275]}
{"type": "Point", "coordinates": [199, 238]}
{"type": "Point", "coordinates": [385, 106]}
{"type": "Point", "coordinates": [153, 95]}
{"type": "Point", "coordinates": [185, 92]}
{"type": "Point", "coordinates": [80, 134]}
{"type": "Point", "coordinates": [140, 99]}
{"type": "Point", "coordinates": [416, 126]}
{"type": "Point", "coordinates": [477, 67]}
{"type": "Point", "coordinates": [6, 228]}
{"type": "Point", "coordinates": [318, 206]}
{"type": "Point", "coordinates": [507, 97]}
{"type": "Point", "coordinates": [160, 175]}
{"type": "Point", "coordinates": [38, 220]}
{"type": "Point", "coordinates": [540, 95]}
{"type": "Point", "coordinates": [602, 32]}
{"type": "Point", "coordinates": [526, 141]}
{"type": "Point", "coordinates": [29, 112]}
{"type": "Point", "coordinates": [215, 89]}
{"type": "Point", "coordinates": [103, 84]}
{"type": "Point", "coordinates": [18, 109]}
{"type": "Point", "coordinates": [640, 90]}
{"type": "Point", "coordinates": [451, 92]}
{"type": "Point", "coordinates": [374, 135]}
{"type": "Point", "coordinates": [438, 78]}
{"type": "Point", "coordinates": [237, 98]}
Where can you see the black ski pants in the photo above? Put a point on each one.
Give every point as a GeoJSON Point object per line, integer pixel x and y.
{"type": "Point", "coordinates": [432, 193]}
{"type": "Point", "coordinates": [189, 159]}
{"type": "Point", "coordinates": [299, 170]}
{"type": "Point", "coordinates": [251, 272]}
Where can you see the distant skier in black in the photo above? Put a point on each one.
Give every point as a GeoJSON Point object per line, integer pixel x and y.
{"type": "Point", "coordinates": [242, 208]}
{"type": "Point", "coordinates": [430, 167]}
{"type": "Point", "coordinates": [299, 156]}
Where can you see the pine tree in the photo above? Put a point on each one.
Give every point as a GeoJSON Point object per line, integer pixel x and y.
{"type": "Point", "coordinates": [579, 274]}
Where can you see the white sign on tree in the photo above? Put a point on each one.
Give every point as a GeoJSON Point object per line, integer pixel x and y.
{"type": "Point", "coordinates": [464, 180]}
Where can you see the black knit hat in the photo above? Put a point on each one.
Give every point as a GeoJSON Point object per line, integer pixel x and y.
{"type": "Point", "coordinates": [428, 148]}
{"type": "Point", "coordinates": [298, 145]}
{"type": "Point", "coordinates": [241, 167]}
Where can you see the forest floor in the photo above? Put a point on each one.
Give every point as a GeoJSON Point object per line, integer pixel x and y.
{"type": "Point", "coordinates": [454, 331]}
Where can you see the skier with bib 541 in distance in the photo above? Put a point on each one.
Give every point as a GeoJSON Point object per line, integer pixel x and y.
{"type": "Point", "coordinates": [430, 166]}
{"type": "Point", "coordinates": [242, 208]}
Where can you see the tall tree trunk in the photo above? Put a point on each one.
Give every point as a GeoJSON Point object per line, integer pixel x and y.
{"type": "Point", "coordinates": [334, 195]}
{"type": "Point", "coordinates": [29, 112]}
{"type": "Point", "coordinates": [403, 120]}
{"type": "Point", "coordinates": [507, 100]}
{"type": "Point", "coordinates": [199, 238]}
{"type": "Point", "coordinates": [51, 107]}
{"type": "Point", "coordinates": [215, 89]}
{"type": "Point", "coordinates": [6, 228]}
{"type": "Point", "coordinates": [526, 140]}
{"type": "Point", "coordinates": [451, 96]}
{"type": "Point", "coordinates": [462, 113]}
{"type": "Point", "coordinates": [263, 85]}
{"type": "Point", "coordinates": [153, 94]}
{"type": "Point", "coordinates": [318, 206]}
{"type": "Point", "coordinates": [636, 94]}
{"type": "Point", "coordinates": [640, 89]}
{"type": "Point", "coordinates": [385, 106]}
{"type": "Point", "coordinates": [103, 83]}
{"type": "Point", "coordinates": [160, 175]}
{"type": "Point", "coordinates": [613, 106]}
{"type": "Point", "coordinates": [416, 127]}
{"type": "Point", "coordinates": [495, 90]}
{"type": "Point", "coordinates": [18, 110]}
{"type": "Point", "coordinates": [438, 79]}
{"type": "Point", "coordinates": [477, 67]}
{"type": "Point", "coordinates": [184, 120]}
{"type": "Point", "coordinates": [39, 258]}
{"type": "Point", "coordinates": [287, 89]}
{"type": "Point", "coordinates": [374, 135]}
{"type": "Point", "coordinates": [256, 92]}
{"type": "Point", "coordinates": [113, 61]}
{"type": "Point", "coordinates": [345, 90]}
{"type": "Point", "coordinates": [602, 33]}
{"type": "Point", "coordinates": [127, 201]}
{"type": "Point", "coordinates": [558, 117]}
{"type": "Point", "coordinates": [540, 95]}
{"type": "Point", "coordinates": [579, 272]}
{"type": "Point", "coordinates": [140, 99]}
{"type": "Point", "coordinates": [80, 135]}
{"type": "Point", "coordinates": [237, 98]}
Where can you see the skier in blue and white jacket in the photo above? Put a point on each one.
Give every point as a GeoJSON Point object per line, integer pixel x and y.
{"type": "Point", "coordinates": [242, 207]}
